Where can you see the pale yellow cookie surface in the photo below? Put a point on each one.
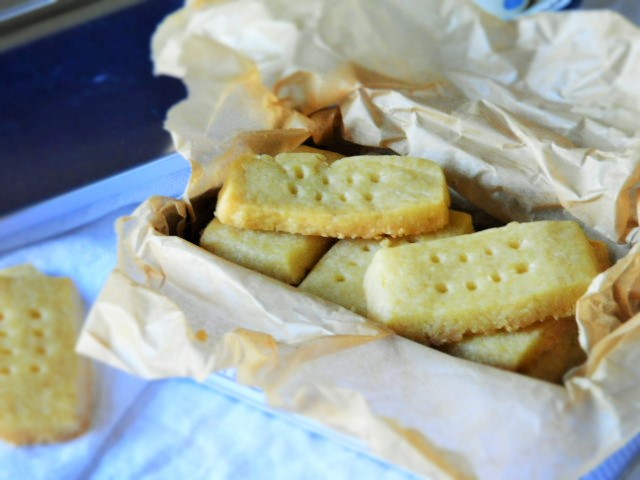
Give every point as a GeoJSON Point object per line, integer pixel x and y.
{"type": "Point", "coordinates": [352, 197]}
{"type": "Point", "coordinates": [45, 387]}
{"type": "Point", "coordinates": [501, 278]}
{"type": "Point", "coordinates": [544, 350]}
{"type": "Point", "coordinates": [284, 256]}
{"type": "Point", "coordinates": [20, 270]}
{"type": "Point", "coordinates": [328, 155]}
{"type": "Point", "coordinates": [339, 274]}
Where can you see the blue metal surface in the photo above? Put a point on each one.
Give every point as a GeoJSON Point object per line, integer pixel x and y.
{"type": "Point", "coordinates": [82, 105]}
{"type": "Point", "coordinates": [167, 176]}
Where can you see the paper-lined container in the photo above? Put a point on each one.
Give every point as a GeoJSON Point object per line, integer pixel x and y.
{"type": "Point", "coordinates": [527, 122]}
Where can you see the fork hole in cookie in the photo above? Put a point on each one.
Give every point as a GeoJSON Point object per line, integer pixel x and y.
{"type": "Point", "coordinates": [521, 268]}
{"type": "Point", "coordinates": [434, 258]}
{"type": "Point", "coordinates": [3, 334]}
{"type": "Point", "coordinates": [350, 180]}
{"type": "Point", "coordinates": [365, 248]}
{"type": "Point", "coordinates": [6, 351]}
{"type": "Point", "coordinates": [318, 196]}
{"type": "Point", "coordinates": [1, 316]}
{"type": "Point", "coordinates": [514, 244]}
{"type": "Point", "coordinates": [343, 197]}
{"type": "Point", "coordinates": [5, 370]}
{"type": "Point", "coordinates": [442, 288]}
{"type": "Point", "coordinates": [374, 178]}
{"type": "Point", "coordinates": [298, 172]}
{"type": "Point", "coordinates": [293, 189]}
{"type": "Point", "coordinates": [325, 180]}
{"type": "Point", "coordinates": [471, 286]}
{"type": "Point", "coordinates": [340, 278]}
{"type": "Point", "coordinates": [488, 251]}
{"type": "Point", "coordinates": [35, 314]}
{"type": "Point", "coordinates": [367, 197]}
{"type": "Point", "coordinates": [35, 369]}
{"type": "Point", "coordinates": [41, 350]}
{"type": "Point", "coordinates": [496, 277]}
{"type": "Point", "coordinates": [463, 258]}
{"type": "Point", "coordinates": [38, 333]}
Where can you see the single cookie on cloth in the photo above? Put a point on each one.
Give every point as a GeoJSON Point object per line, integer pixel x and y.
{"type": "Point", "coordinates": [352, 197]}
{"type": "Point", "coordinates": [284, 256]}
{"type": "Point", "coordinates": [499, 279]}
{"type": "Point", "coordinates": [339, 274]}
{"type": "Point", "coordinates": [45, 387]}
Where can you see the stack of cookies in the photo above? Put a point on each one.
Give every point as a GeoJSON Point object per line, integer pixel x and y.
{"type": "Point", "coordinates": [375, 234]}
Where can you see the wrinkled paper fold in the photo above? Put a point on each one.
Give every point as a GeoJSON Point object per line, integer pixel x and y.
{"type": "Point", "coordinates": [532, 119]}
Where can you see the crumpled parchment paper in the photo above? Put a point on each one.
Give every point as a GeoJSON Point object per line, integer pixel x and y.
{"type": "Point", "coordinates": [530, 119]}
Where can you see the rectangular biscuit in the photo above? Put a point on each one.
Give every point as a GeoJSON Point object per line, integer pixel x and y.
{"type": "Point", "coordinates": [352, 197]}
{"type": "Point", "coordinates": [284, 256]}
{"type": "Point", "coordinates": [545, 350]}
{"type": "Point", "coordinates": [328, 155]}
{"type": "Point", "coordinates": [45, 387]}
{"type": "Point", "coordinates": [20, 270]}
{"type": "Point", "coordinates": [499, 279]}
{"type": "Point", "coordinates": [339, 274]}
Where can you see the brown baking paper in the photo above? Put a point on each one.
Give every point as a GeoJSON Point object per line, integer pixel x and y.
{"type": "Point", "coordinates": [532, 119]}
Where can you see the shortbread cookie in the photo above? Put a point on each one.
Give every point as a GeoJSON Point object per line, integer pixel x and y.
{"type": "Point", "coordinates": [20, 270]}
{"type": "Point", "coordinates": [328, 155]}
{"type": "Point", "coordinates": [45, 387]}
{"type": "Point", "coordinates": [545, 350]}
{"type": "Point", "coordinates": [354, 197]}
{"type": "Point", "coordinates": [499, 279]}
{"type": "Point", "coordinates": [339, 274]}
{"type": "Point", "coordinates": [284, 256]}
